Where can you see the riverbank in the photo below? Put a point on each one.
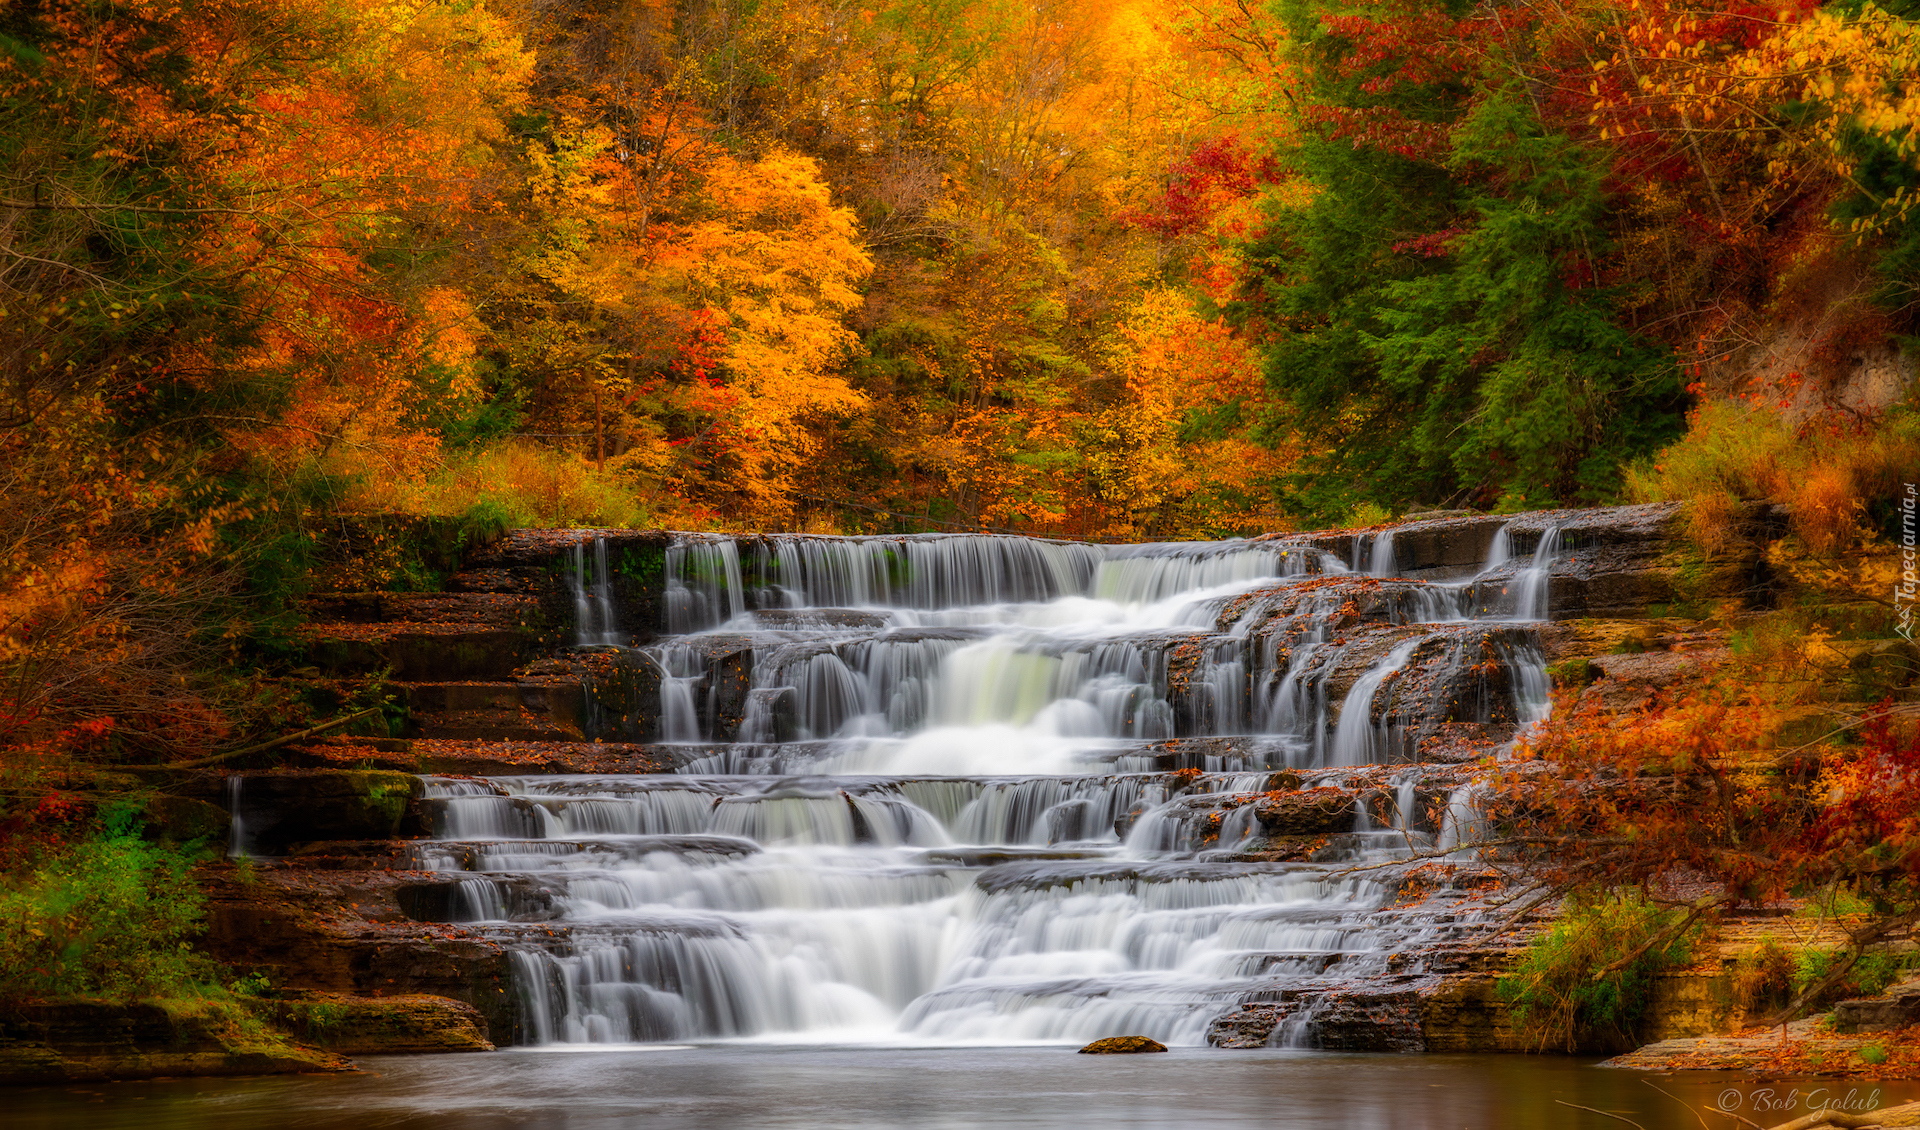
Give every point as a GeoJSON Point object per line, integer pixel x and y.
{"type": "Point", "coordinates": [77, 1041]}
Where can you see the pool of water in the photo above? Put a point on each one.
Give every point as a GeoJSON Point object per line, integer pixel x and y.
{"type": "Point", "coordinates": [774, 1087]}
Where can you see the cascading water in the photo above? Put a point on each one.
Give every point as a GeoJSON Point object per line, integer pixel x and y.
{"type": "Point", "coordinates": [990, 789]}
{"type": "Point", "coordinates": [1360, 740]}
{"type": "Point", "coordinates": [594, 623]}
{"type": "Point", "coordinates": [1383, 564]}
{"type": "Point", "coordinates": [1530, 585]}
{"type": "Point", "coordinates": [238, 844]}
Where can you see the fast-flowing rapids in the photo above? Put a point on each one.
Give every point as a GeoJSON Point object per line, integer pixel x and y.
{"type": "Point", "coordinates": [944, 789]}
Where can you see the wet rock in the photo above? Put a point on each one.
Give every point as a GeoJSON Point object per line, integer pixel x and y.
{"type": "Point", "coordinates": [419, 651]}
{"type": "Point", "coordinates": [278, 810]}
{"type": "Point", "coordinates": [1190, 823]}
{"type": "Point", "coordinates": [472, 855]}
{"type": "Point", "coordinates": [352, 855]}
{"type": "Point", "coordinates": [1226, 754]}
{"type": "Point", "coordinates": [1613, 561]}
{"type": "Point", "coordinates": [1307, 812]}
{"type": "Point", "coordinates": [410, 1024]}
{"type": "Point", "coordinates": [775, 712]}
{"type": "Point", "coordinates": [479, 609]}
{"type": "Point", "coordinates": [543, 560]}
{"type": "Point", "coordinates": [517, 582]}
{"type": "Point", "coordinates": [182, 818]}
{"type": "Point", "coordinates": [994, 857]}
{"type": "Point", "coordinates": [1247, 1026]}
{"type": "Point", "coordinates": [1123, 1045]}
{"type": "Point", "coordinates": [1368, 1021]}
{"type": "Point", "coordinates": [1877, 1014]}
{"type": "Point", "coordinates": [520, 897]}
{"type": "Point", "coordinates": [1360, 1021]}
{"type": "Point", "coordinates": [721, 697]}
{"type": "Point", "coordinates": [310, 926]}
{"type": "Point", "coordinates": [85, 1041]}
{"type": "Point", "coordinates": [529, 710]}
{"type": "Point", "coordinates": [789, 619]}
{"type": "Point", "coordinates": [1039, 876]}
{"type": "Point", "coordinates": [1279, 849]}
{"type": "Point", "coordinates": [1628, 681]}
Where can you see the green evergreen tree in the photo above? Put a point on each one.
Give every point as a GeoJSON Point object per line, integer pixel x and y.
{"type": "Point", "coordinates": [1443, 326]}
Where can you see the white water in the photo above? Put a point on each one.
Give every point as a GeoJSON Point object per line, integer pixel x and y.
{"type": "Point", "coordinates": [593, 614]}
{"type": "Point", "coordinates": [904, 763]}
{"type": "Point", "coordinates": [237, 841]}
{"type": "Point", "coordinates": [1360, 740]}
{"type": "Point", "coordinates": [1530, 585]}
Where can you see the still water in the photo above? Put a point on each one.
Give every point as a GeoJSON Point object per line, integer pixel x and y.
{"type": "Point", "coordinates": [772, 1087]}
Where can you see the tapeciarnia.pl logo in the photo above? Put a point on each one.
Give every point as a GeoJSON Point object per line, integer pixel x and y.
{"type": "Point", "coordinates": [1908, 590]}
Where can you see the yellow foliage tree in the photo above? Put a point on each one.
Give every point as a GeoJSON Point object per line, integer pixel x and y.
{"type": "Point", "coordinates": [778, 266]}
{"type": "Point", "coordinates": [1159, 474]}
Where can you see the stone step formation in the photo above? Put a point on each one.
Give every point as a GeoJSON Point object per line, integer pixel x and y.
{"type": "Point", "coordinates": [939, 789]}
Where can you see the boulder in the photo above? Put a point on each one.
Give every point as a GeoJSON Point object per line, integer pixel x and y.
{"type": "Point", "coordinates": [1878, 1014]}
{"type": "Point", "coordinates": [1123, 1045]}
{"type": "Point", "coordinates": [1307, 812]}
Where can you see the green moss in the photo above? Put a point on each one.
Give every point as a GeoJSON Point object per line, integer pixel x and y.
{"type": "Point", "coordinates": [1571, 672]}
{"type": "Point", "coordinates": [1366, 514]}
{"type": "Point", "coordinates": [1869, 976]}
{"type": "Point", "coordinates": [385, 795]}
{"type": "Point", "coordinates": [237, 1023]}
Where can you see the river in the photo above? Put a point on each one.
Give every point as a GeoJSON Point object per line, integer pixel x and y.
{"type": "Point", "coordinates": [767, 1087]}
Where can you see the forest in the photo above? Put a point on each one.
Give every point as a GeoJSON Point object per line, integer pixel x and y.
{"type": "Point", "coordinates": [1141, 268]}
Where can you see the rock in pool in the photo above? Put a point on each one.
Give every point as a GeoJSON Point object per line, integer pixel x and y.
{"type": "Point", "coordinates": [1123, 1045]}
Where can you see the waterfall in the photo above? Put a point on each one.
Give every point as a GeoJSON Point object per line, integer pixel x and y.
{"type": "Point", "coordinates": [703, 584]}
{"type": "Point", "coordinates": [1530, 584]}
{"type": "Point", "coordinates": [237, 843]}
{"type": "Point", "coordinates": [1359, 739]}
{"type": "Point", "coordinates": [592, 582]}
{"type": "Point", "coordinates": [1462, 824]}
{"type": "Point", "coordinates": [965, 788]}
{"type": "Point", "coordinates": [1383, 564]}
{"type": "Point", "coordinates": [1499, 551]}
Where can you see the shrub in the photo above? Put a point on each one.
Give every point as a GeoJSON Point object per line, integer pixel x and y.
{"type": "Point", "coordinates": [1763, 979]}
{"type": "Point", "coordinates": [1566, 984]}
{"type": "Point", "coordinates": [522, 484]}
{"type": "Point", "coordinates": [1365, 514]}
{"type": "Point", "coordinates": [1870, 975]}
{"type": "Point", "coordinates": [1825, 471]}
{"type": "Point", "coordinates": [107, 917]}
